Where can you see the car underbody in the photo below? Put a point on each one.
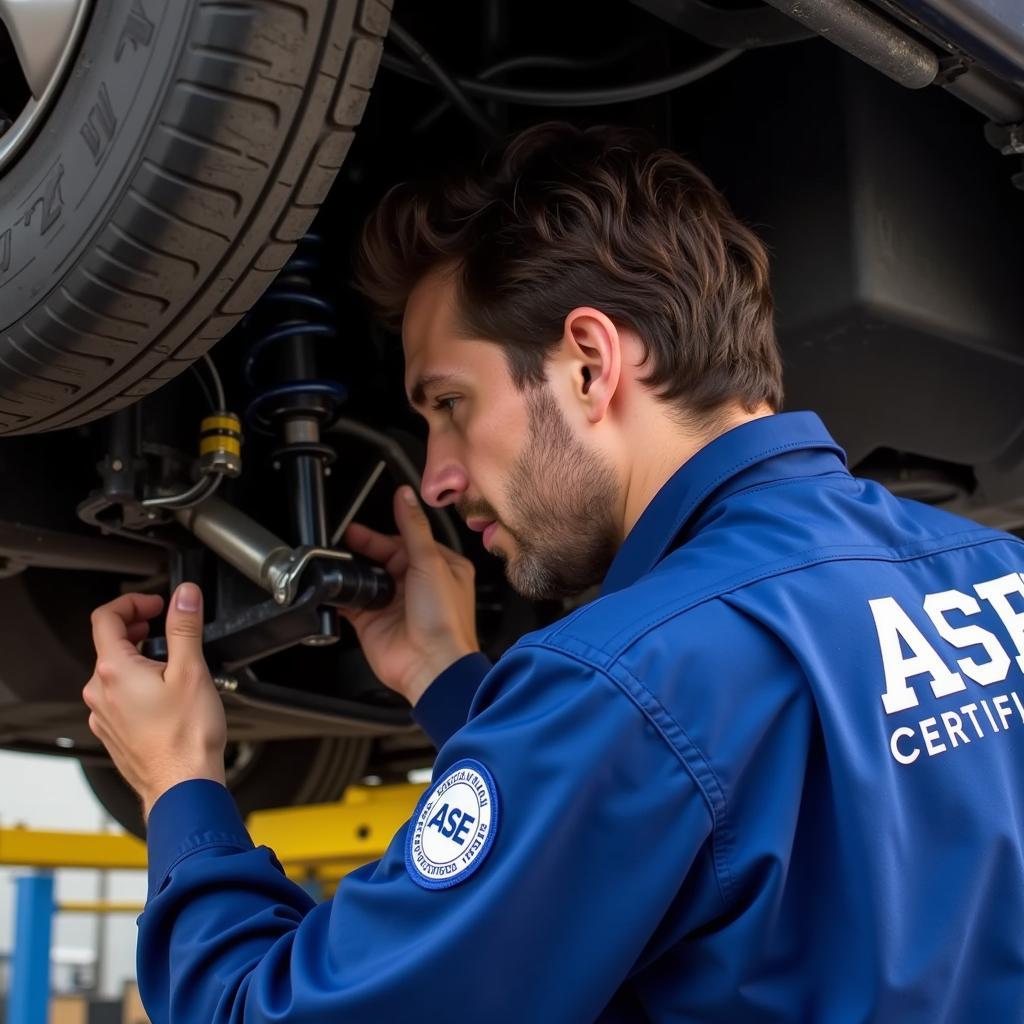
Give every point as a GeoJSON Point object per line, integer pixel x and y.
{"type": "Point", "coordinates": [890, 212]}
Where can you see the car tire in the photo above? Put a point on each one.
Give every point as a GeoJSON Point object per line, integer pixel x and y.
{"type": "Point", "coordinates": [280, 773]}
{"type": "Point", "coordinates": [188, 151]}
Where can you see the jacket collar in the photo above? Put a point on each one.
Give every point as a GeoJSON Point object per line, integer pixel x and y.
{"type": "Point", "coordinates": [754, 452]}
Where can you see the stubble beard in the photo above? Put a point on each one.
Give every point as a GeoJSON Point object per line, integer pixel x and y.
{"type": "Point", "coordinates": [560, 497]}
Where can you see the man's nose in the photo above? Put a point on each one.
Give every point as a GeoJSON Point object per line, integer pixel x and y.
{"type": "Point", "coordinates": [444, 478]}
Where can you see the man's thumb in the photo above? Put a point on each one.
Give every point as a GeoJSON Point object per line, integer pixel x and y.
{"type": "Point", "coordinates": [185, 626]}
{"type": "Point", "coordinates": [413, 525]}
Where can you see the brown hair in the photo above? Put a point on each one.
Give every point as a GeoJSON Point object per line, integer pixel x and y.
{"type": "Point", "coordinates": [563, 217]}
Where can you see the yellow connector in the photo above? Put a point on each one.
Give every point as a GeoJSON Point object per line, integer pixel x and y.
{"type": "Point", "coordinates": [220, 444]}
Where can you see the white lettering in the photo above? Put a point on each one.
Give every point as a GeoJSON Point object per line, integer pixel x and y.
{"type": "Point", "coordinates": [893, 625]}
{"type": "Point", "coordinates": [931, 737]}
{"type": "Point", "coordinates": [996, 593]}
{"type": "Point", "coordinates": [952, 731]}
{"type": "Point", "coordinates": [1004, 714]}
{"type": "Point", "coordinates": [902, 741]}
{"type": "Point", "coordinates": [895, 748]}
{"type": "Point", "coordinates": [968, 710]}
{"type": "Point", "coordinates": [1020, 707]}
{"type": "Point", "coordinates": [998, 664]}
{"type": "Point", "coordinates": [985, 708]}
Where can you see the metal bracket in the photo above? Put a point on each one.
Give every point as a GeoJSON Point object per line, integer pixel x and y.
{"type": "Point", "coordinates": [1007, 138]}
{"type": "Point", "coordinates": [286, 577]}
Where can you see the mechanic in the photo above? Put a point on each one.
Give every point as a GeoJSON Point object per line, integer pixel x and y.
{"type": "Point", "coordinates": [773, 771]}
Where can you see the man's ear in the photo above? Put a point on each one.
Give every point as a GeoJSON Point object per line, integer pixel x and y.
{"type": "Point", "coordinates": [593, 349]}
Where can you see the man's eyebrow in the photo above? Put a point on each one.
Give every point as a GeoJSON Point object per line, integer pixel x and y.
{"type": "Point", "coordinates": [419, 389]}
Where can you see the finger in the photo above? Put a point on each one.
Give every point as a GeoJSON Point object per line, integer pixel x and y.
{"type": "Point", "coordinates": [414, 527]}
{"type": "Point", "coordinates": [110, 622]}
{"type": "Point", "coordinates": [137, 632]}
{"type": "Point", "coordinates": [99, 728]}
{"type": "Point", "coordinates": [185, 630]}
{"type": "Point", "coordinates": [397, 564]}
{"type": "Point", "coordinates": [456, 562]}
{"type": "Point", "coordinates": [459, 566]}
{"type": "Point", "coordinates": [355, 617]}
{"type": "Point", "coordinates": [370, 544]}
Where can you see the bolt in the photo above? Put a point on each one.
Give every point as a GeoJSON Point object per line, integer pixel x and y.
{"type": "Point", "coordinates": [320, 640]}
{"type": "Point", "coordinates": [117, 465]}
{"type": "Point", "coordinates": [327, 471]}
{"type": "Point", "coordinates": [276, 464]}
{"type": "Point", "coordinates": [151, 515]}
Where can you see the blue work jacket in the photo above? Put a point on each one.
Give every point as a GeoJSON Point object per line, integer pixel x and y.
{"type": "Point", "coordinates": [774, 772]}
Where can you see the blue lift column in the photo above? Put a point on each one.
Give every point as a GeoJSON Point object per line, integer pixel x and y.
{"type": "Point", "coordinates": [29, 996]}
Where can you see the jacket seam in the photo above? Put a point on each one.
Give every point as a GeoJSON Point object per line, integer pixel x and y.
{"type": "Point", "coordinates": [734, 468]}
{"type": "Point", "coordinates": [687, 511]}
{"type": "Point", "coordinates": [702, 773]}
{"type": "Point", "coordinates": [183, 854]}
{"type": "Point", "coordinates": [842, 474]}
{"type": "Point", "coordinates": [703, 777]}
{"type": "Point", "coordinates": [692, 528]}
{"type": "Point", "coordinates": [738, 581]}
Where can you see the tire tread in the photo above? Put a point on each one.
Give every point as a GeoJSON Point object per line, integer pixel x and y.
{"type": "Point", "coordinates": [213, 270]}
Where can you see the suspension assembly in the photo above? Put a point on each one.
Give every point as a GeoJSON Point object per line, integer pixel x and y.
{"type": "Point", "coordinates": [293, 322]}
{"type": "Point", "coordinates": [290, 402]}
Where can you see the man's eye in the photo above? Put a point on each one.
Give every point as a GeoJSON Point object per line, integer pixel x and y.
{"type": "Point", "coordinates": [443, 403]}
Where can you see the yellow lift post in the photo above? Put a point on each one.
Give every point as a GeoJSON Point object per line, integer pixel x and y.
{"type": "Point", "coordinates": [320, 843]}
{"type": "Point", "coordinates": [317, 846]}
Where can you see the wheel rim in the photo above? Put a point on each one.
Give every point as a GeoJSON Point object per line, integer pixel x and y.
{"type": "Point", "coordinates": [42, 36]}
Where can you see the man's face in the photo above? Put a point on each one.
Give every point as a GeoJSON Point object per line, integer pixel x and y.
{"type": "Point", "coordinates": [506, 457]}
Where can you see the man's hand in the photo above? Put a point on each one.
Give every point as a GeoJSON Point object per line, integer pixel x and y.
{"type": "Point", "coordinates": [431, 622]}
{"type": "Point", "coordinates": [161, 723]}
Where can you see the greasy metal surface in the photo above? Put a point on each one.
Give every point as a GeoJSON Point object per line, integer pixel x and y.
{"type": "Point", "coordinates": [31, 545]}
{"type": "Point", "coordinates": [990, 30]}
{"type": "Point", "coordinates": [242, 542]}
{"type": "Point", "coordinates": [867, 36]}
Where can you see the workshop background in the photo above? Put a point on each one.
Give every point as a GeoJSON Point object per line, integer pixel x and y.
{"type": "Point", "coordinates": [86, 918]}
{"type": "Point", "coordinates": [91, 952]}
{"type": "Point", "coordinates": [146, 329]}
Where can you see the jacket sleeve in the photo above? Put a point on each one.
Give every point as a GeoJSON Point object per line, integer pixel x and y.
{"type": "Point", "coordinates": [594, 824]}
{"type": "Point", "coordinates": [444, 706]}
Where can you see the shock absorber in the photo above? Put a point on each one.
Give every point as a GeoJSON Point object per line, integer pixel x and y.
{"type": "Point", "coordinates": [292, 322]}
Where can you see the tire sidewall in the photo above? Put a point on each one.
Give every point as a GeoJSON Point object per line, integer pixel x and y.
{"type": "Point", "coordinates": [60, 191]}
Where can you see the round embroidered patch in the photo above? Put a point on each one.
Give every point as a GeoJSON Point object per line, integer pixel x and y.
{"type": "Point", "coordinates": [453, 828]}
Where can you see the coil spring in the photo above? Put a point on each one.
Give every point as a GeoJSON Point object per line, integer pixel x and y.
{"type": "Point", "coordinates": [303, 319]}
